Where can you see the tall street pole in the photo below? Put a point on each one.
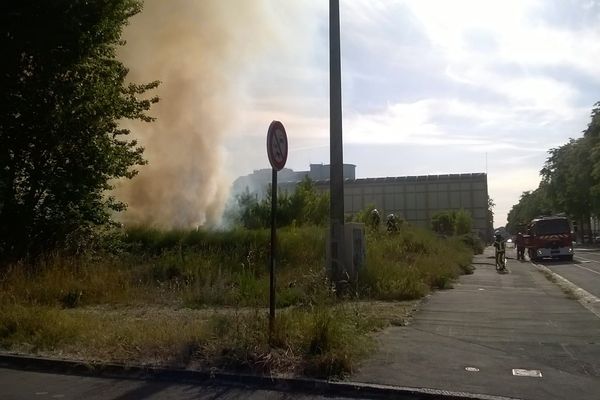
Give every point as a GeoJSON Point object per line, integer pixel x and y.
{"type": "Point", "coordinates": [336, 155]}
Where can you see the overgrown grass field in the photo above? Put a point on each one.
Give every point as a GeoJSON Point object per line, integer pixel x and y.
{"type": "Point", "coordinates": [199, 298]}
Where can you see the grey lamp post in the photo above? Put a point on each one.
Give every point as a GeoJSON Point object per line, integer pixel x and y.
{"type": "Point", "coordinates": [336, 155]}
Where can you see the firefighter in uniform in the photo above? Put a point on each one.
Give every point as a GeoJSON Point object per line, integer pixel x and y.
{"type": "Point", "coordinates": [520, 242]}
{"type": "Point", "coordinates": [500, 250]}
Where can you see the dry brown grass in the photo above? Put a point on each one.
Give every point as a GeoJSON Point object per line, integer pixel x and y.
{"type": "Point", "coordinates": [189, 299]}
{"type": "Point", "coordinates": [321, 341]}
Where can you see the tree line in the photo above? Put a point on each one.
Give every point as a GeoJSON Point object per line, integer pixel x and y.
{"type": "Point", "coordinates": [570, 183]}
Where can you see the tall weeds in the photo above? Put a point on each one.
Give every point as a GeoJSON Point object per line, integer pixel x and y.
{"type": "Point", "coordinates": [81, 305]}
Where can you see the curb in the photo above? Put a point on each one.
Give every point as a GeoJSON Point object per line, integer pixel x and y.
{"type": "Point", "coordinates": [280, 384]}
{"type": "Point", "coordinates": [585, 298]}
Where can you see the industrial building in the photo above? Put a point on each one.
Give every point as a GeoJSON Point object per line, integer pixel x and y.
{"type": "Point", "coordinates": [257, 181]}
{"type": "Point", "coordinates": [414, 198]}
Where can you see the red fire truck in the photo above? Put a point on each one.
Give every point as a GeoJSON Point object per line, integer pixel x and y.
{"type": "Point", "coordinates": [549, 237]}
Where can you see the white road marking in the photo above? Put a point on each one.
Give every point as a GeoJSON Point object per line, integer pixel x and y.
{"type": "Point", "coordinates": [591, 270]}
{"type": "Point", "coordinates": [582, 267]}
{"type": "Point", "coordinates": [586, 259]}
{"type": "Point", "coordinates": [534, 373]}
{"type": "Point", "coordinates": [472, 369]}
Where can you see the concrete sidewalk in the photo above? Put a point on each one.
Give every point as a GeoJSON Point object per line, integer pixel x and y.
{"type": "Point", "coordinates": [470, 339]}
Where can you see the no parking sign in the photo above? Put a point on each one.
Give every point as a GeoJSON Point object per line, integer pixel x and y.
{"type": "Point", "coordinates": [277, 150]}
{"type": "Point", "coordinates": [277, 145]}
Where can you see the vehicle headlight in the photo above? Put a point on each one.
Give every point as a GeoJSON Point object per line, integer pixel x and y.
{"type": "Point", "coordinates": [570, 250]}
{"type": "Point", "coordinates": [539, 252]}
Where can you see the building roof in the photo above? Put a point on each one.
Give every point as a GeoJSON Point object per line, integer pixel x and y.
{"type": "Point", "coordinates": [418, 178]}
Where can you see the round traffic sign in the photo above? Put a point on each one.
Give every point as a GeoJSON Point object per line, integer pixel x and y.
{"type": "Point", "coordinates": [277, 145]}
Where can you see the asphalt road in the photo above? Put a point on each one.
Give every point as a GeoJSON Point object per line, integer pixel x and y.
{"type": "Point", "coordinates": [475, 337]}
{"type": "Point", "coordinates": [584, 271]}
{"type": "Point", "coordinates": [23, 385]}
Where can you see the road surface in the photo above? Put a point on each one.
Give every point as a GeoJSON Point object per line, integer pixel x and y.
{"type": "Point", "coordinates": [478, 337]}
{"type": "Point", "coordinates": [25, 385]}
{"type": "Point", "coordinates": [583, 271]}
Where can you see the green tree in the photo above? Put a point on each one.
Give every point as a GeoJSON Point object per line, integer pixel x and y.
{"type": "Point", "coordinates": [63, 95]}
{"type": "Point", "coordinates": [369, 216]}
{"type": "Point", "coordinates": [567, 175]}
{"type": "Point", "coordinates": [570, 182]}
{"type": "Point", "coordinates": [305, 206]}
{"type": "Point", "coordinates": [592, 134]}
{"type": "Point", "coordinates": [308, 205]}
{"type": "Point", "coordinates": [452, 222]}
{"type": "Point", "coordinates": [463, 223]}
{"type": "Point", "coordinates": [531, 204]}
{"type": "Point", "coordinates": [249, 212]}
{"type": "Point", "coordinates": [442, 222]}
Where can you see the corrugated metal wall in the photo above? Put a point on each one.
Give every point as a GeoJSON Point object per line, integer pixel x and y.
{"type": "Point", "coordinates": [417, 198]}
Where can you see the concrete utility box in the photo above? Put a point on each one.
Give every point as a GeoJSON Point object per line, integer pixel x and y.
{"type": "Point", "coordinates": [353, 254]}
{"type": "Point", "coordinates": [355, 249]}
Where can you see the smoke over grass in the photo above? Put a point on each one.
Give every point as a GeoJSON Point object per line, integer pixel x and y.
{"type": "Point", "coordinates": [204, 53]}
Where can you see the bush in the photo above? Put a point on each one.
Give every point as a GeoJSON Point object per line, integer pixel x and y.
{"type": "Point", "coordinates": [452, 222]}
{"type": "Point", "coordinates": [474, 242]}
{"type": "Point", "coordinates": [304, 206]}
{"type": "Point", "coordinates": [462, 222]}
{"type": "Point", "coordinates": [408, 265]}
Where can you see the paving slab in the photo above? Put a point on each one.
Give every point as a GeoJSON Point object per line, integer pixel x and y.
{"type": "Point", "coordinates": [472, 337]}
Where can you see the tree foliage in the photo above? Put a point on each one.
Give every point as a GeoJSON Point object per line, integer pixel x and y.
{"type": "Point", "coordinates": [570, 181]}
{"type": "Point", "coordinates": [369, 216]}
{"type": "Point", "coordinates": [567, 175]}
{"type": "Point", "coordinates": [63, 95]}
{"type": "Point", "coordinates": [452, 222]}
{"type": "Point", "coordinates": [531, 204]}
{"type": "Point", "coordinates": [304, 206]}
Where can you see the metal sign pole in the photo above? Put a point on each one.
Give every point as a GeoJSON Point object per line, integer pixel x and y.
{"type": "Point", "coordinates": [277, 150]}
{"type": "Point", "coordinates": [273, 254]}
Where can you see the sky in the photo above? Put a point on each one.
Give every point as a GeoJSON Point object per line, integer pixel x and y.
{"type": "Point", "coordinates": [428, 87]}
{"type": "Point", "coordinates": [431, 87]}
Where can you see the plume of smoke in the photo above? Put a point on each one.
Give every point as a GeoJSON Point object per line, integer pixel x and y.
{"type": "Point", "coordinates": [200, 51]}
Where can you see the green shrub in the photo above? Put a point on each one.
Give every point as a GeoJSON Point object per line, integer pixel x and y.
{"type": "Point", "coordinates": [408, 265]}
{"type": "Point", "coordinates": [203, 268]}
{"type": "Point", "coordinates": [305, 205]}
{"type": "Point", "coordinates": [452, 222]}
{"type": "Point", "coordinates": [37, 327]}
{"type": "Point", "coordinates": [474, 242]}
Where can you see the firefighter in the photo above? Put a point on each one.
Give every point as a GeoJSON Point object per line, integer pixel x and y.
{"type": "Point", "coordinates": [374, 219]}
{"type": "Point", "coordinates": [392, 224]}
{"type": "Point", "coordinates": [500, 250]}
{"type": "Point", "coordinates": [520, 242]}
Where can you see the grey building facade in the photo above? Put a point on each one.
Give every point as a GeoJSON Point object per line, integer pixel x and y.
{"type": "Point", "coordinates": [414, 198]}
{"type": "Point", "coordinates": [417, 198]}
{"type": "Point", "coordinates": [258, 181]}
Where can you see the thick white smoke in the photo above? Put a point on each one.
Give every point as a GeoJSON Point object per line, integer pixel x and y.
{"type": "Point", "coordinates": [203, 52]}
